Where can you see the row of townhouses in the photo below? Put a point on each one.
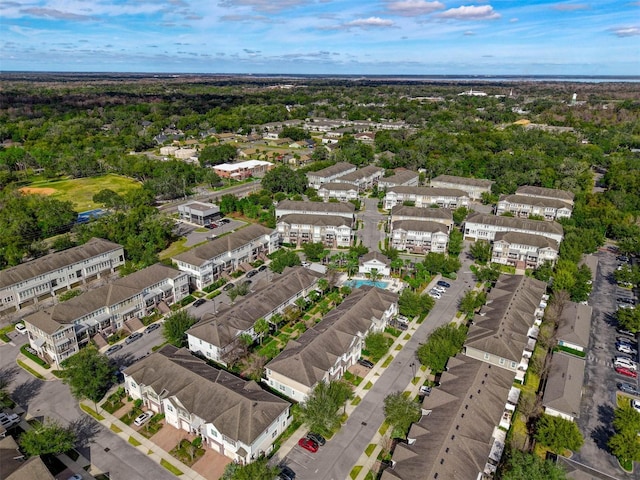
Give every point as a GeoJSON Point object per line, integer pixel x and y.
{"type": "Point", "coordinates": [426, 197]}
{"type": "Point", "coordinates": [58, 332]}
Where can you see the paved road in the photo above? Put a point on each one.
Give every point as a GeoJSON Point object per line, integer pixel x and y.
{"type": "Point", "coordinates": [52, 399]}
{"type": "Point", "coordinates": [239, 191]}
{"type": "Point", "coordinates": [335, 460]}
{"type": "Point", "coordinates": [599, 393]}
{"type": "Point", "coordinates": [370, 234]}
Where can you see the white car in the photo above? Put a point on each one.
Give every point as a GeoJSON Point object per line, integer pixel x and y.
{"type": "Point", "coordinates": [625, 362]}
{"type": "Point", "coordinates": [435, 295]}
{"type": "Point", "coordinates": [626, 348]}
{"type": "Point", "coordinates": [635, 404]}
{"type": "Point", "coordinates": [20, 328]}
{"type": "Point", "coordinates": [439, 289]}
{"type": "Point", "coordinates": [142, 418]}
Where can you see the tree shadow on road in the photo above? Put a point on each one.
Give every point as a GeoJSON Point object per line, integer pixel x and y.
{"type": "Point", "coordinates": [85, 429]}
{"type": "Point", "coordinates": [606, 414]}
{"type": "Point", "coordinates": [7, 374]}
{"type": "Point", "coordinates": [25, 392]}
{"type": "Point", "coordinates": [603, 432]}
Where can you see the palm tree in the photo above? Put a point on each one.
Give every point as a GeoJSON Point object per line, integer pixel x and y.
{"type": "Point", "coordinates": [374, 275]}
{"type": "Point", "coordinates": [352, 267]}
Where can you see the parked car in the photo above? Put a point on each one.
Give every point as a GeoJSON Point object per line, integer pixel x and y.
{"type": "Point", "coordinates": [625, 362]}
{"type": "Point", "coordinates": [224, 221]}
{"type": "Point", "coordinates": [316, 437]}
{"type": "Point", "coordinates": [435, 295]}
{"type": "Point", "coordinates": [626, 348]}
{"type": "Point", "coordinates": [200, 301]}
{"type": "Point", "coordinates": [142, 418]}
{"type": "Point", "coordinates": [628, 300]}
{"type": "Point", "coordinates": [286, 473]}
{"type": "Point", "coordinates": [635, 404]}
{"type": "Point", "coordinates": [308, 444]}
{"type": "Point", "coordinates": [425, 390]}
{"type": "Point", "coordinates": [622, 258]}
{"type": "Point", "coordinates": [75, 476]}
{"type": "Point", "coordinates": [402, 319]}
{"type": "Point", "coordinates": [20, 328]}
{"type": "Point", "coordinates": [622, 331]}
{"type": "Point", "coordinates": [252, 273]}
{"type": "Point", "coordinates": [439, 289]}
{"type": "Point", "coordinates": [262, 268]}
{"type": "Point", "coordinates": [228, 286]}
{"type": "Point", "coordinates": [402, 326]}
{"type": "Point", "coordinates": [628, 388]}
{"type": "Point", "coordinates": [626, 372]}
{"type": "Point", "coordinates": [365, 363]}
{"type": "Point", "coordinates": [442, 283]}
{"type": "Point", "coordinates": [152, 327]}
{"type": "Point", "coordinates": [8, 420]}
{"type": "Point", "coordinates": [113, 349]}
{"type": "Point", "coordinates": [133, 337]}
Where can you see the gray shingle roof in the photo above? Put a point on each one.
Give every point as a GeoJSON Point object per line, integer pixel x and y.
{"type": "Point", "coordinates": [338, 186]}
{"type": "Point", "coordinates": [535, 201]}
{"type": "Point", "coordinates": [419, 226]}
{"type": "Point", "coordinates": [400, 176]}
{"type": "Point", "coordinates": [453, 442]}
{"type": "Point", "coordinates": [546, 192]}
{"type": "Point", "coordinates": [429, 191]}
{"type": "Point", "coordinates": [424, 213]}
{"type": "Point", "coordinates": [516, 223]}
{"type": "Point", "coordinates": [307, 359]}
{"type": "Point", "coordinates": [49, 319]}
{"type": "Point", "coordinates": [563, 390]}
{"type": "Point", "coordinates": [221, 245]}
{"type": "Point", "coordinates": [315, 220]}
{"type": "Point", "coordinates": [373, 255]}
{"type": "Point", "coordinates": [520, 238]}
{"type": "Point", "coordinates": [55, 261]}
{"type": "Point", "coordinates": [502, 326]}
{"type": "Point", "coordinates": [361, 173]}
{"type": "Point", "coordinates": [575, 324]}
{"type": "Point", "coordinates": [239, 409]}
{"type": "Point", "coordinates": [221, 329]}
{"type": "Point", "coordinates": [306, 207]}
{"type": "Point", "coordinates": [474, 182]}
{"type": "Point", "coordinates": [333, 170]}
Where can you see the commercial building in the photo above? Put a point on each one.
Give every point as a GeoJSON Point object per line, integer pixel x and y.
{"type": "Point", "coordinates": [200, 213]}
{"type": "Point", "coordinates": [242, 170]}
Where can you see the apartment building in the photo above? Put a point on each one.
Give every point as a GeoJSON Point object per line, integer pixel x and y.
{"type": "Point", "coordinates": [332, 231]}
{"type": "Point", "coordinates": [523, 250]}
{"type": "Point", "coordinates": [58, 332]}
{"type": "Point", "coordinates": [423, 197]}
{"type": "Point", "coordinates": [401, 178]}
{"type": "Point", "coordinates": [363, 178]}
{"type": "Point", "coordinates": [329, 174]}
{"type": "Point", "coordinates": [479, 226]}
{"type": "Point", "coordinates": [287, 207]}
{"type": "Point", "coordinates": [50, 275]}
{"type": "Point", "coordinates": [526, 206]}
{"type": "Point", "coordinates": [474, 187]}
{"type": "Point", "coordinates": [542, 192]}
{"type": "Point", "coordinates": [418, 236]}
{"type": "Point", "coordinates": [343, 192]}
{"type": "Point", "coordinates": [429, 214]}
{"type": "Point", "coordinates": [208, 262]}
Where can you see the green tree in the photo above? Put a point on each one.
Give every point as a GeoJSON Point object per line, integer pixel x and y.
{"type": "Point", "coordinates": [261, 327]}
{"type": "Point", "coordinates": [455, 243]}
{"type": "Point", "coordinates": [294, 133]}
{"type": "Point", "coordinates": [459, 214]}
{"type": "Point", "coordinates": [629, 318]}
{"type": "Point", "coordinates": [377, 344]}
{"type": "Point", "coordinates": [314, 251]}
{"type": "Point", "coordinates": [109, 198]}
{"type": "Point", "coordinates": [282, 259]}
{"type": "Point", "coordinates": [48, 438]}
{"type": "Point", "coordinates": [481, 251]}
{"type": "Point", "coordinates": [217, 154]}
{"type": "Point", "coordinates": [626, 418]}
{"type": "Point", "coordinates": [400, 412]}
{"type": "Point", "coordinates": [257, 470]}
{"type": "Point", "coordinates": [320, 410]}
{"type": "Point", "coordinates": [624, 445]}
{"type": "Point", "coordinates": [283, 179]}
{"type": "Point", "coordinates": [471, 301]}
{"type": "Point", "coordinates": [559, 434]}
{"type": "Point", "coordinates": [488, 274]}
{"type": "Point", "coordinates": [444, 342]}
{"type": "Point", "coordinates": [175, 327]}
{"type": "Point", "coordinates": [521, 465]}
{"type": "Point", "coordinates": [88, 373]}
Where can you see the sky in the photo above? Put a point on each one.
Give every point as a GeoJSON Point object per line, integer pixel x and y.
{"type": "Point", "coordinates": [356, 37]}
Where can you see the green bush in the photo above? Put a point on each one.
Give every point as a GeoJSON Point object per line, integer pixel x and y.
{"type": "Point", "coordinates": [33, 357]}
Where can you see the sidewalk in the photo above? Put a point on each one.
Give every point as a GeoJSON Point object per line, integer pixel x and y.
{"type": "Point", "coordinates": [140, 442]}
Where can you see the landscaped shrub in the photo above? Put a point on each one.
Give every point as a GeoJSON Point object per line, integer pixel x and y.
{"type": "Point", "coordinates": [33, 357]}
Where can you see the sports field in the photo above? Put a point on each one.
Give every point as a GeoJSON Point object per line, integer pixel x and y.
{"type": "Point", "coordinates": [80, 191]}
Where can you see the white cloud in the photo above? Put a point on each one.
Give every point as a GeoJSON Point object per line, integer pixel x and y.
{"type": "Point", "coordinates": [55, 14]}
{"type": "Point", "coordinates": [369, 22]}
{"type": "Point", "coordinates": [485, 12]}
{"type": "Point", "coordinates": [626, 31]}
{"type": "Point", "coordinates": [567, 7]}
{"type": "Point", "coordinates": [264, 5]}
{"type": "Point", "coordinates": [412, 8]}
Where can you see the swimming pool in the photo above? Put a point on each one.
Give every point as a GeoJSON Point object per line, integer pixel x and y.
{"type": "Point", "coordinates": [360, 283]}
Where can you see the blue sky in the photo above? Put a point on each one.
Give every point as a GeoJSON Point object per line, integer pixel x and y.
{"type": "Point", "coordinates": [403, 37]}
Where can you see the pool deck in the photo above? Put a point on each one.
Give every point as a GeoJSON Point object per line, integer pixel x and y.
{"type": "Point", "coordinates": [392, 284]}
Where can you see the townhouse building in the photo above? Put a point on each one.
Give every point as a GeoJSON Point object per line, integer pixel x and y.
{"type": "Point", "coordinates": [58, 332]}
{"type": "Point", "coordinates": [363, 178]}
{"type": "Point", "coordinates": [325, 351]}
{"type": "Point", "coordinates": [504, 332]}
{"type": "Point", "coordinates": [474, 187]}
{"type": "Point", "coordinates": [343, 192]}
{"type": "Point", "coordinates": [401, 178]}
{"type": "Point", "coordinates": [430, 214]}
{"type": "Point", "coordinates": [215, 336]}
{"type": "Point", "coordinates": [523, 250]}
{"type": "Point", "coordinates": [287, 207]}
{"type": "Point", "coordinates": [542, 192]}
{"type": "Point", "coordinates": [234, 417]}
{"type": "Point", "coordinates": [423, 197]}
{"type": "Point", "coordinates": [50, 275]}
{"type": "Point", "coordinates": [329, 174]}
{"type": "Point", "coordinates": [462, 431]}
{"type": "Point", "coordinates": [563, 388]}
{"type": "Point", "coordinates": [208, 262]}
{"type": "Point", "coordinates": [526, 206]}
{"type": "Point", "coordinates": [480, 226]}
{"type": "Point", "coordinates": [418, 236]}
{"type": "Point", "coordinates": [332, 231]}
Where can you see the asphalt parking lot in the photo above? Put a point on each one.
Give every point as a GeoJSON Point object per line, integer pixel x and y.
{"type": "Point", "coordinates": [600, 384]}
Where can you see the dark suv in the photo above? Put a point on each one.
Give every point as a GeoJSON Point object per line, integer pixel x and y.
{"type": "Point", "coordinates": [365, 363]}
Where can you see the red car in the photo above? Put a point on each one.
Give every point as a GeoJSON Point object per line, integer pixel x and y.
{"type": "Point", "coordinates": [308, 444]}
{"type": "Point", "coordinates": [627, 372]}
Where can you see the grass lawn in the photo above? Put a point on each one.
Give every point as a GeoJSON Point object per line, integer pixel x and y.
{"type": "Point", "coordinates": [80, 191]}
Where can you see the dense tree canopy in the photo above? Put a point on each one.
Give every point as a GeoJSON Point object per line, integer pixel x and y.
{"type": "Point", "coordinates": [88, 373]}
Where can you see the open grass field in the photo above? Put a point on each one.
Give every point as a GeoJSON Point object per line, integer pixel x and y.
{"type": "Point", "coordinates": [80, 191]}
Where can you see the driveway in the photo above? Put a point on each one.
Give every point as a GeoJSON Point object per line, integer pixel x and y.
{"type": "Point", "coordinates": [599, 391]}
{"type": "Point", "coordinates": [335, 460]}
{"type": "Point", "coordinates": [370, 234]}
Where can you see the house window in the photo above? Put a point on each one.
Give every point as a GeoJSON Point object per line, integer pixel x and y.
{"type": "Point", "coordinates": [513, 364]}
{"type": "Point", "coordinates": [274, 434]}
{"type": "Point", "coordinates": [486, 356]}
{"type": "Point", "coordinates": [501, 362]}
{"type": "Point", "coordinates": [169, 408]}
